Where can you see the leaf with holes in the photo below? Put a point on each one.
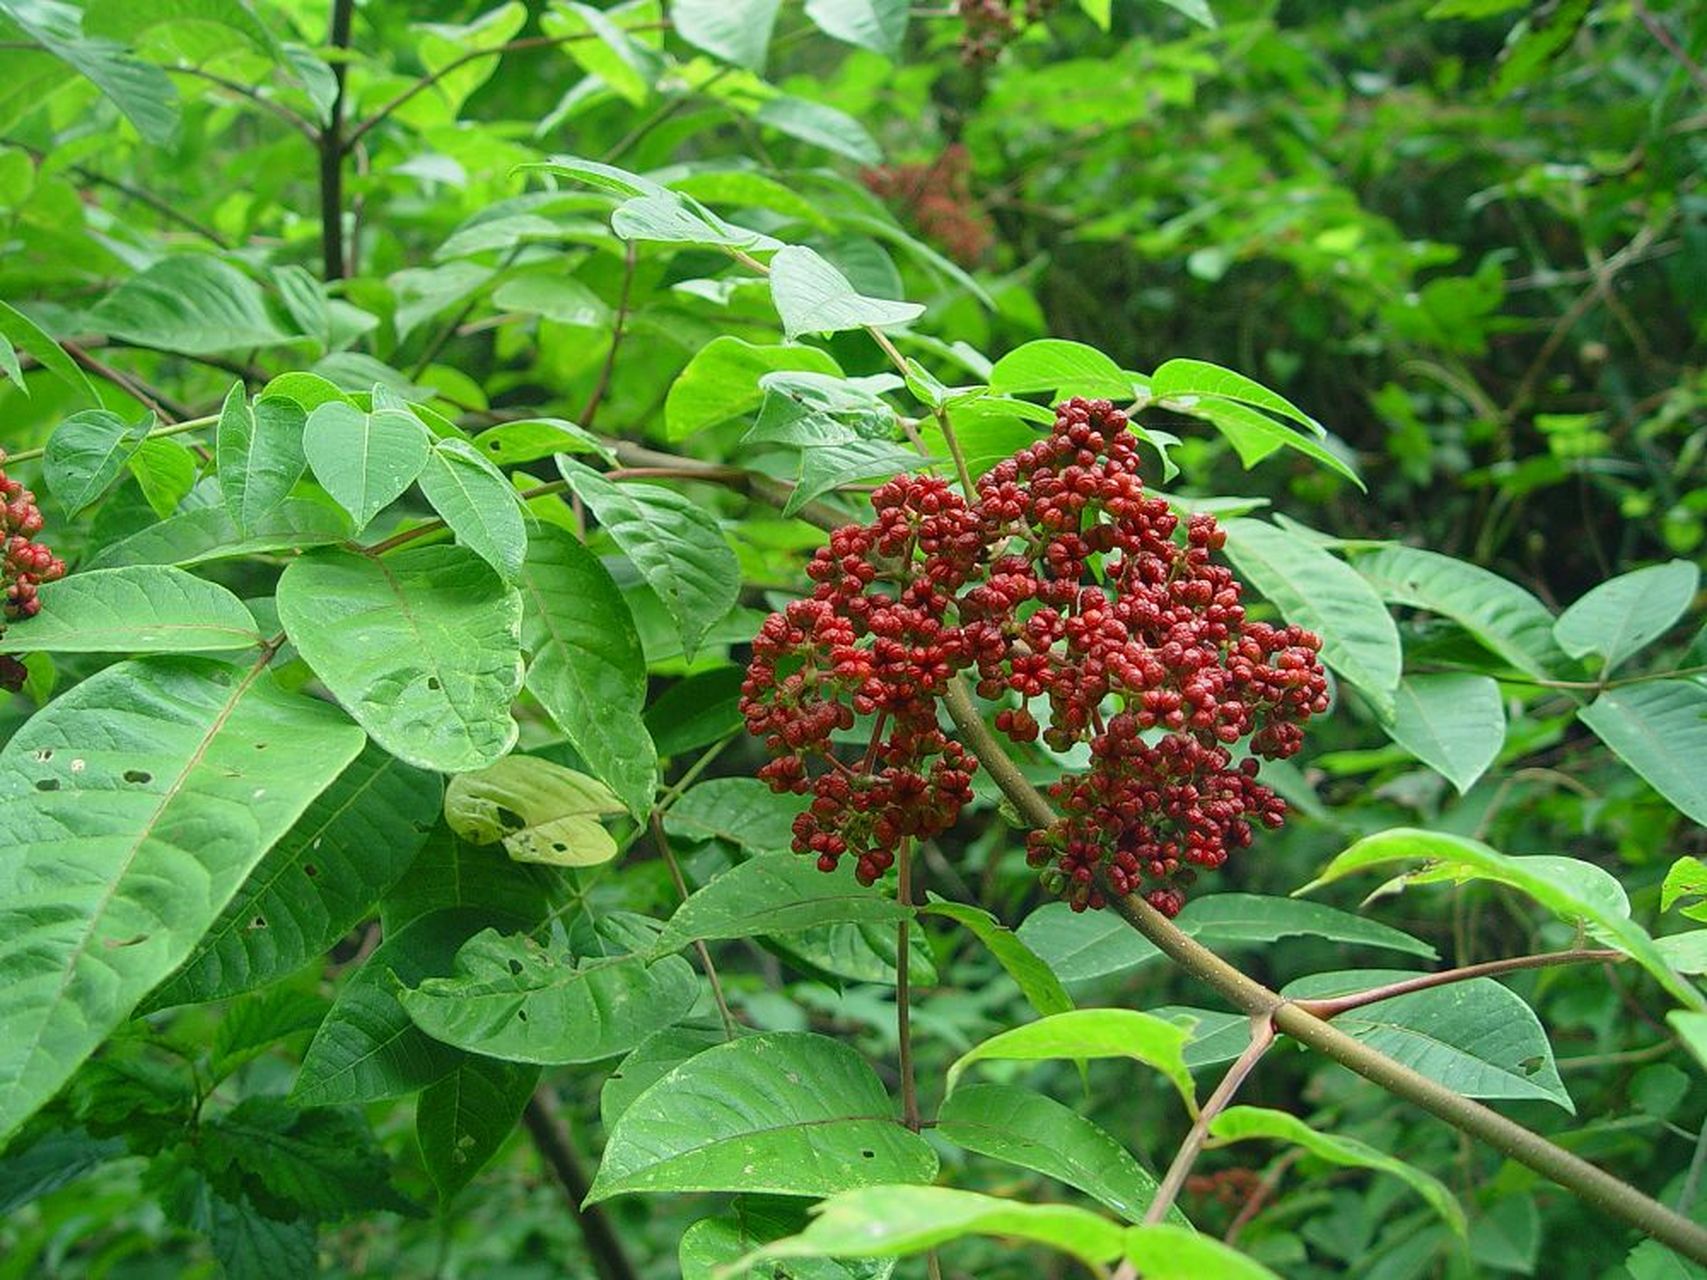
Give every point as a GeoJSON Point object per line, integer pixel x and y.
{"type": "Point", "coordinates": [462, 1119]}
{"type": "Point", "coordinates": [422, 647]}
{"type": "Point", "coordinates": [541, 811]}
{"type": "Point", "coordinates": [140, 609]}
{"type": "Point", "coordinates": [131, 809]}
{"type": "Point", "coordinates": [513, 999]}
{"type": "Point", "coordinates": [782, 1112]}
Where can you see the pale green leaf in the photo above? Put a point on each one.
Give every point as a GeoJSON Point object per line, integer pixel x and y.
{"type": "Point", "coordinates": [259, 451]}
{"type": "Point", "coordinates": [1185, 380]}
{"type": "Point", "coordinates": [814, 297]}
{"type": "Point", "coordinates": [737, 31]}
{"type": "Point", "coordinates": [140, 609]}
{"type": "Point", "coordinates": [1061, 368]}
{"type": "Point", "coordinates": [479, 505]}
{"type": "Point", "coordinates": [24, 332]}
{"type": "Point", "coordinates": [1624, 614]}
{"type": "Point", "coordinates": [194, 303]}
{"type": "Point", "coordinates": [140, 90]}
{"type": "Point", "coordinates": [86, 453]}
{"type": "Point", "coordinates": [722, 381]}
{"type": "Point", "coordinates": [1454, 723]}
{"type": "Point", "coordinates": [540, 811]}
{"type": "Point", "coordinates": [1659, 729]}
{"type": "Point", "coordinates": [878, 25]}
{"type": "Point", "coordinates": [364, 460]}
{"type": "Point", "coordinates": [1091, 1033]}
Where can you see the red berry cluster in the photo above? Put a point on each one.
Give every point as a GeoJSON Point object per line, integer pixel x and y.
{"type": "Point", "coordinates": [938, 198]}
{"type": "Point", "coordinates": [1063, 583]}
{"type": "Point", "coordinates": [24, 563]}
{"type": "Point", "coordinates": [991, 24]}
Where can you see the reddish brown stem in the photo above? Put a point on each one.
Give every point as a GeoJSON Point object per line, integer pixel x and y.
{"type": "Point", "coordinates": [1328, 1007]}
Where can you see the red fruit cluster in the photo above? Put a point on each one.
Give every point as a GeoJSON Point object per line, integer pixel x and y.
{"type": "Point", "coordinates": [24, 564]}
{"type": "Point", "coordinates": [938, 198]}
{"type": "Point", "coordinates": [991, 24]}
{"type": "Point", "coordinates": [1064, 584]}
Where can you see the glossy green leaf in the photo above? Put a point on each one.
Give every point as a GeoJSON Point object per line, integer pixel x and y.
{"type": "Point", "coordinates": [775, 893]}
{"type": "Point", "coordinates": [165, 471]}
{"type": "Point", "coordinates": [673, 218]}
{"type": "Point", "coordinates": [1659, 729]}
{"type": "Point", "coordinates": [86, 453]}
{"type": "Point", "coordinates": [896, 1221]}
{"type": "Point", "coordinates": [208, 533]}
{"type": "Point", "coordinates": [675, 544]}
{"type": "Point", "coordinates": [1168, 1252]}
{"type": "Point", "coordinates": [1061, 368]}
{"type": "Point", "coordinates": [1476, 1037]}
{"type": "Point", "coordinates": [479, 505]}
{"type": "Point", "coordinates": [814, 297]}
{"type": "Point", "coordinates": [1036, 980]}
{"type": "Point", "coordinates": [462, 1119]}
{"type": "Point", "coordinates": [1256, 436]}
{"type": "Point", "coordinates": [878, 25]}
{"type": "Point", "coordinates": [540, 811]}
{"type": "Point", "coordinates": [364, 460]}
{"type": "Point", "coordinates": [1184, 380]}
{"type": "Point", "coordinates": [711, 1248]}
{"type": "Point", "coordinates": [140, 609]}
{"type": "Point", "coordinates": [1035, 1132]}
{"type": "Point", "coordinates": [821, 125]}
{"type": "Point", "coordinates": [737, 31]}
{"type": "Point", "coordinates": [1623, 615]}
{"type": "Point", "coordinates": [1454, 723]}
{"type": "Point", "coordinates": [259, 451]}
{"type": "Point", "coordinates": [1240, 1123]}
{"type": "Point", "coordinates": [511, 998]}
{"type": "Point", "coordinates": [1091, 1033]}
{"type": "Point", "coordinates": [194, 303]}
{"type": "Point", "coordinates": [781, 1112]}
{"type": "Point", "coordinates": [855, 952]}
{"type": "Point", "coordinates": [586, 665]}
{"type": "Point", "coordinates": [423, 648]}
{"type": "Point", "coordinates": [722, 381]}
{"type": "Point", "coordinates": [697, 711]}
{"type": "Point", "coordinates": [1319, 592]}
{"type": "Point", "coordinates": [317, 883]}
{"type": "Point", "coordinates": [152, 769]}
{"type": "Point", "coordinates": [1575, 891]}
{"type": "Point", "coordinates": [650, 1061]}
{"type": "Point", "coordinates": [826, 467]}
{"type": "Point", "coordinates": [1500, 614]}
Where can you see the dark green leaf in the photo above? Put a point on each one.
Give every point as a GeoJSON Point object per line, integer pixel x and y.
{"type": "Point", "coordinates": [86, 453]}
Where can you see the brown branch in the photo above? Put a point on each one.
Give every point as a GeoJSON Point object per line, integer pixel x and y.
{"type": "Point", "coordinates": [1328, 1007]}
{"type": "Point", "coordinates": [295, 121]}
{"type": "Point", "coordinates": [331, 144]}
{"type": "Point", "coordinates": [166, 409]}
{"type": "Point", "coordinates": [552, 1140]}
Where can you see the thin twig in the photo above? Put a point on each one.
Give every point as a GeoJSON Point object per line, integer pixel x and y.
{"type": "Point", "coordinates": [616, 335]}
{"type": "Point", "coordinates": [295, 121]}
{"type": "Point", "coordinates": [903, 985]}
{"type": "Point", "coordinates": [1331, 1007]}
{"type": "Point", "coordinates": [168, 410]}
{"type": "Point", "coordinates": [662, 841]}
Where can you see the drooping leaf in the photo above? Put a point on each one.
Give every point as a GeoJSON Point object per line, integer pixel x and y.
{"type": "Point", "coordinates": [365, 460]}
{"type": "Point", "coordinates": [586, 665]}
{"type": "Point", "coordinates": [315, 884]}
{"type": "Point", "coordinates": [1625, 614]}
{"type": "Point", "coordinates": [1256, 436]}
{"type": "Point", "coordinates": [878, 25]}
{"type": "Point", "coordinates": [24, 332]}
{"type": "Point", "coordinates": [1319, 592]}
{"type": "Point", "coordinates": [812, 296]}
{"type": "Point", "coordinates": [513, 999]}
{"type": "Point", "coordinates": [540, 811]}
{"type": "Point", "coordinates": [207, 533]}
{"type": "Point", "coordinates": [712, 1247]}
{"type": "Point", "coordinates": [1453, 722]}
{"type": "Point", "coordinates": [152, 769]}
{"type": "Point", "coordinates": [782, 1112]}
{"type": "Point", "coordinates": [674, 218]}
{"type": "Point", "coordinates": [193, 303]}
{"type": "Point", "coordinates": [1036, 980]}
{"type": "Point", "coordinates": [1036, 1132]}
{"type": "Point", "coordinates": [774, 893]}
{"type": "Point", "coordinates": [474, 499]}
{"type": "Point", "coordinates": [86, 453]}
{"type": "Point", "coordinates": [1184, 379]}
{"type": "Point", "coordinates": [422, 647]}
{"type": "Point", "coordinates": [1476, 1037]}
{"type": "Point", "coordinates": [140, 90]}
{"type": "Point", "coordinates": [1576, 891]}
{"type": "Point", "coordinates": [140, 609]}
{"type": "Point", "coordinates": [1061, 368]}
{"type": "Point", "coordinates": [1091, 1033]}
{"type": "Point", "coordinates": [1498, 613]}
{"type": "Point", "coordinates": [674, 543]}
{"type": "Point", "coordinates": [462, 1119]}
{"type": "Point", "coordinates": [1239, 1123]}
{"type": "Point", "coordinates": [259, 450]}
{"type": "Point", "coordinates": [1659, 729]}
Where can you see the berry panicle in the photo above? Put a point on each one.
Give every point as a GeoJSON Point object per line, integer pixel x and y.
{"type": "Point", "coordinates": [24, 563]}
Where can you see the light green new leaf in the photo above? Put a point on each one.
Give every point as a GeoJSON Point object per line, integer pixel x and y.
{"type": "Point", "coordinates": [140, 609]}
{"type": "Point", "coordinates": [131, 809]}
{"type": "Point", "coordinates": [1036, 980]}
{"type": "Point", "coordinates": [878, 25]}
{"type": "Point", "coordinates": [1476, 1037]}
{"type": "Point", "coordinates": [1687, 878]}
{"type": "Point", "coordinates": [586, 665]}
{"type": "Point", "coordinates": [510, 998]}
{"type": "Point", "coordinates": [615, 57]}
{"type": "Point", "coordinates": [1454, 723]}
{"type": "Point", "coordinates": [1061, 368]}
{"type": "Point", "coordinates": [1197, 10]}
{"type": "Point", "coordinates": [1091, 1033]}
{"type": "Point", "coordinates": [317, 883]}
{"type": "Point", "coordinates": [479, 505]}
{"type": "Point", "coordinates": [1255, 436]}
{"type": "Point", "coordinates": [1624, 614]}
{"type": "Point", "coordinates": [542, 812]}
{"type": "Point", "coordinates": [673, 218]}
{"type": "Point", "coordinates": [1659, 729]}
{"type": "Point", "coordinates": [675, 544]}
{"type": "Point", "coordinates": [823, 126]}
{"type": "Point", "coordinates": [825, 467]}
{"type": "Point", "coordinates": [812, 296]}
{"type": "Point", "coordinates": [737, 31]}
{"type": "Point", "coordinates": [1574, 890]}
{"type": "Point", "coordinates": [141, 91]}
{"type": "Point", "coordinates": [1692, 1030]}
{"type": "Point", "coordinates": [1498, 613]}
{"type": "Point", "coordinates": [259, 450]}
{"type": "Point", "coordinates": [787, 1113]}
{"type": "Point", "coordinates": [1035, 1132]}
{"type": "Point", "coordinates": [889, 1221]}
{"type": "Point", "coordinates": [422, 647]}
{"type": "Point", "coordinates": [462, 1119]}
{"type": "Point", "coordinates": [1318, 591]}
{"type": "Point", "coordinates": [1238, 1124]}
{"type": "Point", "coordinates": [534, 438]}
{"type": "Point", "coordinates": [364, 460]}
{"type": "Point", "coordinates": [722, 381]}
{"type": "Point", "coordinates": [775, 893]}
{"type": "Point", "coordinates": [194, 303]}
{"type": "Point", "coordinates": [712, 1248]}
{"type": "Point", "coordinates": [1169, 1252]}
{"type": "Point", "coordinates": [1185, 380]}
{"type": "Point", "coordinates": [86, 453]}
{"type": "Point", "coordinates": [1083, 945]}
{"type": "Point", "coordinates": [165, 471]}
{"type": "Point", "coordinates": [24, 332]}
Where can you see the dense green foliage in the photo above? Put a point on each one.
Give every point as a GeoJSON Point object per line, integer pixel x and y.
{"type": "Point", "coordinates": [430, 402]}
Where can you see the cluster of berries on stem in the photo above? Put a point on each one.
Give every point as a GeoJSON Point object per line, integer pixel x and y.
{"type": "Point", "coordinates": [1060, 587]}
{"type": "Point", "coordinates": [992, 24]}
{"type": "Point", "coordinates": [938, 198]}
{"type": "Point", "coordinates": [24, 563]}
